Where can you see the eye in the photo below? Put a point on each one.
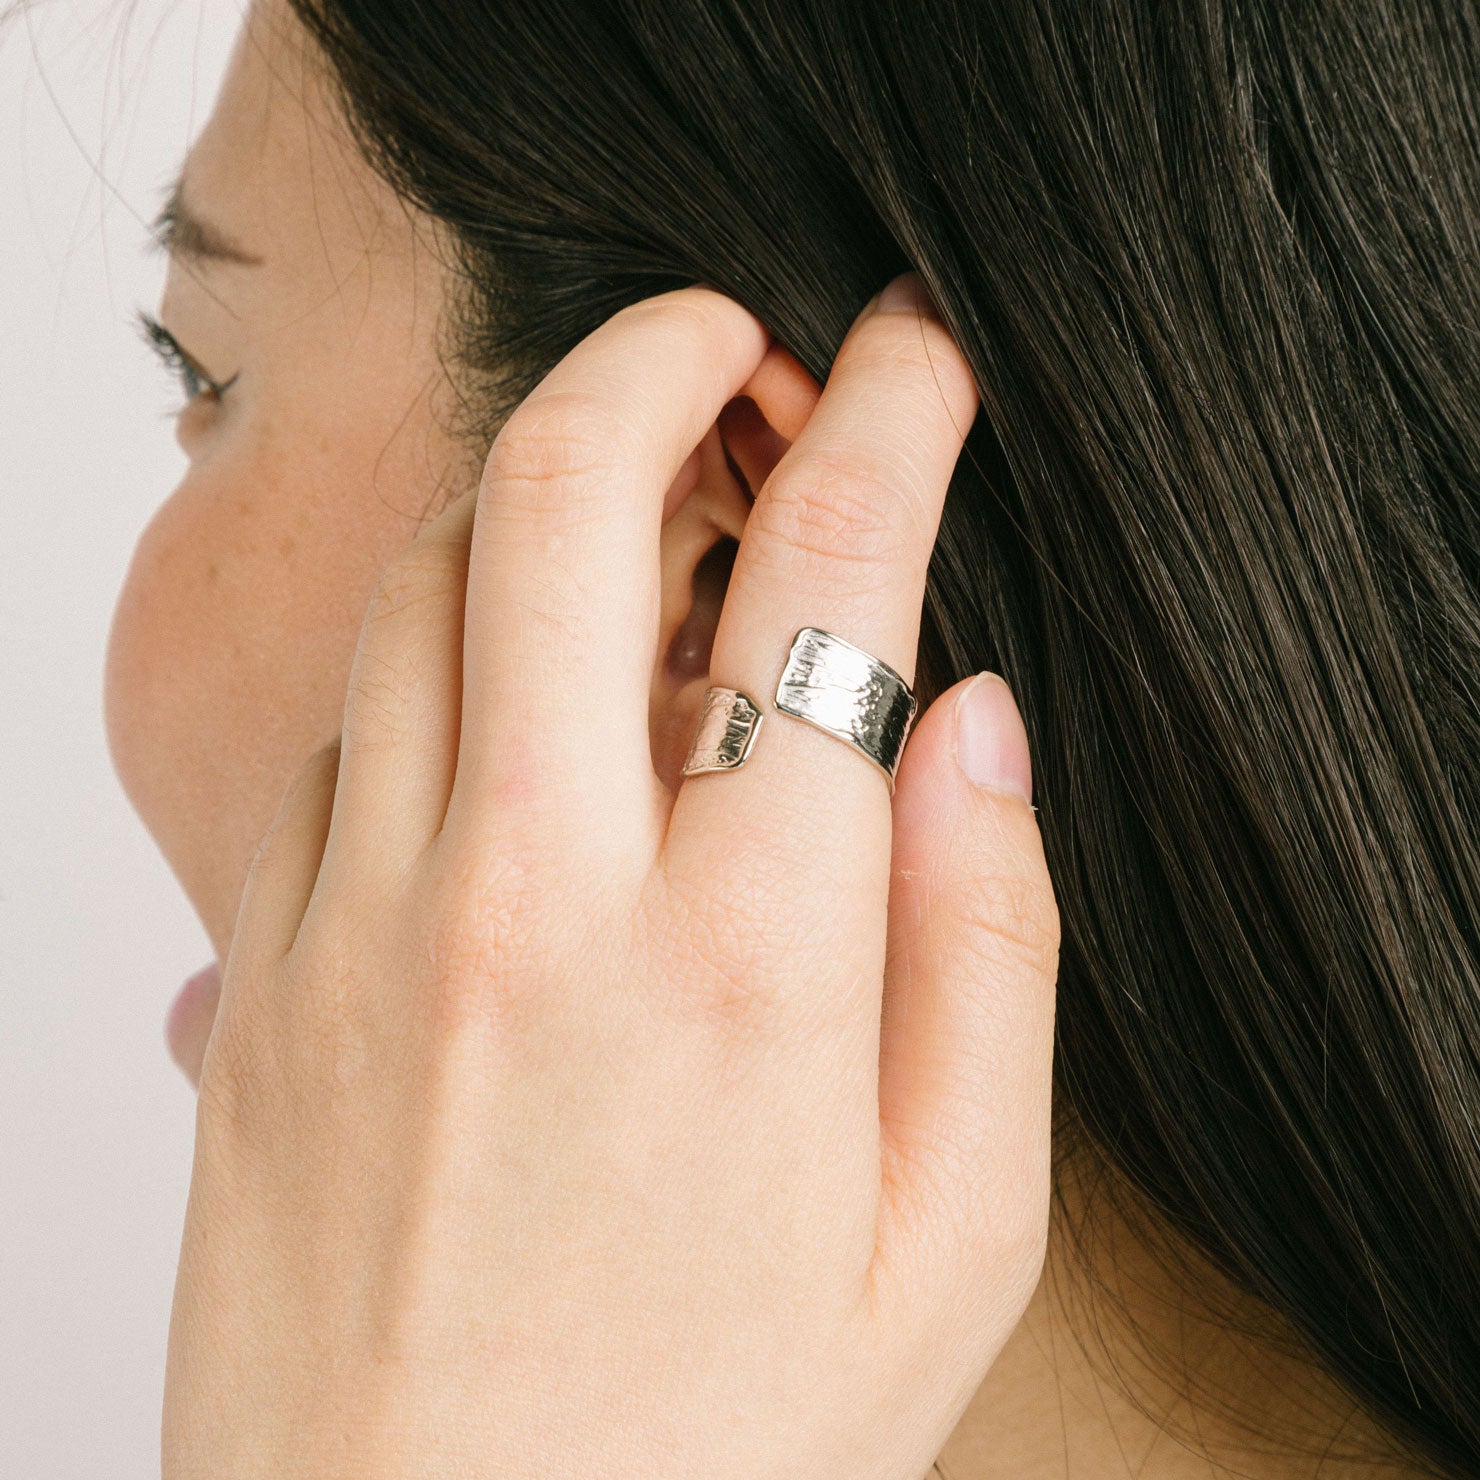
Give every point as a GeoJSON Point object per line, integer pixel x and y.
{"type": "Point", "coordinates": [194, 381]}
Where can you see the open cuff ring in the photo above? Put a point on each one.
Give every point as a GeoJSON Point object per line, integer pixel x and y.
{"type": "Point", "coordinates": [828, 683]}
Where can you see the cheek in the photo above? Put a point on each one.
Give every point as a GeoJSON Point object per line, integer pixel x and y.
{"type": "Point", "coordinates": [227, 662]}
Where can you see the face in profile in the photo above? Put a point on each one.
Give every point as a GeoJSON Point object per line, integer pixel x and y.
{"type": "Point", "coordinates": [304, 312]}
{"type": "Point", "coordinates": [301, 310]}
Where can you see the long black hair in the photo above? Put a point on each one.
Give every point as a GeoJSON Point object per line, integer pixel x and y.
{"type": "Point", "coordinates": [1216, 265]}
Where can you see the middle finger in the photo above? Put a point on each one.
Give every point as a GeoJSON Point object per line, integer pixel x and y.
{"type": "Point", "coordinates": [564, 578]}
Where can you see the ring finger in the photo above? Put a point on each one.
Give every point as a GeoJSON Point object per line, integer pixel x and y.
{"type": "Point", "coordinates": [839, 538]}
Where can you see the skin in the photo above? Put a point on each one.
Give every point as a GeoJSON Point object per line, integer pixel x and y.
{"type": "Point", "coordinates": [239, 633]}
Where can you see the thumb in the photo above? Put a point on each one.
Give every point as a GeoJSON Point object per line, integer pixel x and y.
{"type": "Point", "coordinates": [966, 1050]}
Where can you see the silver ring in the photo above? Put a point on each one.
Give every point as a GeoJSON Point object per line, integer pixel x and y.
{"type": "Point", "coordinates": [829, 683]}
{"type": "Point", "coordinates": [728, 725]}
{"type": "Point", "coordinates": [849, 694]}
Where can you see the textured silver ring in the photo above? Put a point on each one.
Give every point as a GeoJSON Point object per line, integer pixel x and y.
{"type": "Point", "coordinates": [849, 694]}
{"type": "Point", "coordinates": [829, 683]}
{"type": "Point", "coordinates": [728, 725]}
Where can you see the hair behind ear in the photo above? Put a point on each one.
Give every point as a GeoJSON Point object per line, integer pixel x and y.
{"type": "Point", "coordinates": [1216, 269]}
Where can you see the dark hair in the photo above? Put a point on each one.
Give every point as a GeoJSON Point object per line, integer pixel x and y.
{"type": "Point", "coordinates": [1217, 268]}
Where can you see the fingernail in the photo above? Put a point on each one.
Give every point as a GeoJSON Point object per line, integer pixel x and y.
{"type": "Point", "coordinates": [991, 742]}
{"type": "Point", "coordinates": [906, 294]}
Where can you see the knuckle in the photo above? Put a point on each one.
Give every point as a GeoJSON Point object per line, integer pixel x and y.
{"type": "Point", "coordinates": [835, 509]}
{"type": "Point", "coordinates": [991, 1233]}
{"type": "Point", "coordinates": [996, 1234]}
{"type": "Point", "coordinates": [338, 1021]}
{"type": "Point", "coordinates": [1011, 919]}
{"type": "Point", "coordinates": [738, 975]}
{"type": "Point", "coordinates": [302, 1022]}
{"type": "Point", "coordinates": [722, 983]}
{"type": "Point", "coordinates": [476, 939]}
{"type": "Point", "coordinates": [424, 572]}
{"type": "Point", "coordinates": [1000, 1251]}
{"type": "Point", "coordinates": [553, 455]}
{"type": "Point", "coordinates": [1015, 1246]}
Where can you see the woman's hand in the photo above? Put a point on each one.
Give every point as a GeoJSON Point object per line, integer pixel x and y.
{"type": "Point", "coordinates": [555, 1124]}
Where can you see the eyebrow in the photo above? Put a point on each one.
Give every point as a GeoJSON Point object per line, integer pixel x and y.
{"type": "Point", "coordinates": [184, 235]}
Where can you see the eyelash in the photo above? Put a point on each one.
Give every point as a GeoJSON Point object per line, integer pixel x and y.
{"type": "Point", "coordinates": [194, 381]}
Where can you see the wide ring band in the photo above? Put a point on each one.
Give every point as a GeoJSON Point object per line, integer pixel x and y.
{"type": "Point", "coordinates": [827, 682]}
{"type": "Point", "coordinates": [849, 694]}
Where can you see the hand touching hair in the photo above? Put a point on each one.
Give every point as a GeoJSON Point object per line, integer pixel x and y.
{"type": "Point", "coordinates": [1215, 271]}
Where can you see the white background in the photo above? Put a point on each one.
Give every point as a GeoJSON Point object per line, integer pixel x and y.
{"type": "Point", "coordinates": [98, 102]}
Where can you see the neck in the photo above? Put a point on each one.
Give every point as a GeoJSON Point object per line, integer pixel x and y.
{"type": "Point", "coordinates": [1137, 1360]}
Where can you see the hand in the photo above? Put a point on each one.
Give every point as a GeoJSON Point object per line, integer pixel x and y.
{"type": "Point", "coordinates": [553, 1123]}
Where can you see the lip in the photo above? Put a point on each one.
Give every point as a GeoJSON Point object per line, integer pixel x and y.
{"type": "Point", "coordinates": [187, 1006]}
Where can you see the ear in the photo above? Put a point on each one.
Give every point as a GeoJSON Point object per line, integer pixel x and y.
{"type": "Point", "coordinates": [703, 518]}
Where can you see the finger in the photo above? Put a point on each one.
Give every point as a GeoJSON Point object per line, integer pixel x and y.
{"type": "Point", "coordinates": [966, 1046]}
{"type": "Point", "coordinates": [401, 710]}
{"type": "Point", "coordinates": [839, 538]}
{"type": "Point", "coordinates": [281, 877]}
{"type": "Point", "coordinates": [563, 587]}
